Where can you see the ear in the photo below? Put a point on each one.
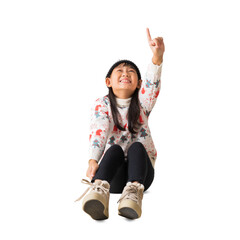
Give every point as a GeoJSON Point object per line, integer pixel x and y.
{"type": "Point", "coordinates": [108, 82]}
{"type": "Point", "coordinates": [139, 84]}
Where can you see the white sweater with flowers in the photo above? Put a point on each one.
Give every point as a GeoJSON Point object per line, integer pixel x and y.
{"type": "Point", "coordinates": [104, 133]}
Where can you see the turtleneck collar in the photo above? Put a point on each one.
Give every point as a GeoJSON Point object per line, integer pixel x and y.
{"type": "Point", "coordinates": [123, 102]}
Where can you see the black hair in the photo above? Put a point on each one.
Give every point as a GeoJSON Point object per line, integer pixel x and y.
{"type": "Point", "coordinates": [134, 107]}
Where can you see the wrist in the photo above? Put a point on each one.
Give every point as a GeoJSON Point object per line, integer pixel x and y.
{"type": "Point", "coordinates": [156, 60]}
{"type": "Point", "coordinates": [92, 161]}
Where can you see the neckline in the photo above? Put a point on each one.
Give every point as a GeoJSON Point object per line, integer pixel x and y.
{"type": "Point", "coordinates": [121, 102]}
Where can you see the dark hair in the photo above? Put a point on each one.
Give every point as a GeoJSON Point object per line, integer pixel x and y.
{"type": "Point", "coordinates": [134, 107]}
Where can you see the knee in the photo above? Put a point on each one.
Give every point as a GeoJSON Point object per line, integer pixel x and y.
{"type": "Point", "coordinates": [116, 150]}
{"type": "Point", "coordinates": [116, 147]}
{"type": "Point", "coordinates": [136, 146]}
{"type": "Point", "coordinates": [115, 153]}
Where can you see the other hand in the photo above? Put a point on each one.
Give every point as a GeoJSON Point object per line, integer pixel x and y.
{"type": "Point", "coordinates": [92, 168]}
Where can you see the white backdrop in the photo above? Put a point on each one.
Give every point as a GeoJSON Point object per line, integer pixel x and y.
{"type": "Point", "coordinates": [54, 56]}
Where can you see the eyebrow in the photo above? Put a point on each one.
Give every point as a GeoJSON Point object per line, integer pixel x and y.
{"type": "Point", "coordinates": [126, 66]}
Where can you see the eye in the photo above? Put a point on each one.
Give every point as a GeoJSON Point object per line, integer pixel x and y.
{"type": "Point", "coordinates": [119, 70]}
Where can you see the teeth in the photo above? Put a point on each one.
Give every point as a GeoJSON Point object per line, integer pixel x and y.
{"type": "Point", "coordinates": [125, 81]}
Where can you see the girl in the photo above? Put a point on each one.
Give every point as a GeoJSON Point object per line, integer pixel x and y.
{"type": "Point", "coordinates": [122, 152]}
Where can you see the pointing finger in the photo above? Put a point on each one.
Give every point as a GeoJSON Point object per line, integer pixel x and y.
{"type": "Point", "coordinates": [148, 35]}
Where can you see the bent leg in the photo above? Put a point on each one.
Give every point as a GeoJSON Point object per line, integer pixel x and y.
{"type": "Point", "coordinates": [112, 168]}
{"type": "Point", "coordinates": [140, 168]}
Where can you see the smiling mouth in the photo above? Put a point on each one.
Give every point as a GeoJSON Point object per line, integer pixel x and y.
{"type": "Point", "coordinates": [125, 81]}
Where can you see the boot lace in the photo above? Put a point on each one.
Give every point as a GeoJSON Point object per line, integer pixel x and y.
{"type": "Point", "coordinates": [131, 192]}
{"type": "Point", "coordinates": [95, 187]}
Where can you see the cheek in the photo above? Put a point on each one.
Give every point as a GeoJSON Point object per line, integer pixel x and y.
{"type": "Point", "coordinates": [136, 82]}
{"type": "Point", "coordinates": [115, 82]}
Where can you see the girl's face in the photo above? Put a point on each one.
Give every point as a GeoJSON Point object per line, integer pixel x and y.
{"type": "Point", "coordinates": [124, 81]}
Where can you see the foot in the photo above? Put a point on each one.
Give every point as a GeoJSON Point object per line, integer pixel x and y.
{"type": "Point", "coordinates": [97, 201]}
{"type": "Point", "coordinates": [130, 205]}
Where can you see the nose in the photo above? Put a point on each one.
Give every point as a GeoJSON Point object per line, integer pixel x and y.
{"type": "Point", "coordinates": [125, 73]}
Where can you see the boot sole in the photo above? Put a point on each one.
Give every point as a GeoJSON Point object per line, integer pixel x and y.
{"type": "Point", "coordinates": [129, 209]}
{"type": "Point", "coordinates": [95, 209]}
{"type": "Point", "coordinates": [128, 213]}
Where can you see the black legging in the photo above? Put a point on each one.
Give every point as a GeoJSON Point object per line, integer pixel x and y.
{"type": "Point", "coordinates": [114, 169]}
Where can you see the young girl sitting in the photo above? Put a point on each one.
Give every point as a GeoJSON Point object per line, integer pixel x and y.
{"type": "Point", "coordinates": [122, 152]}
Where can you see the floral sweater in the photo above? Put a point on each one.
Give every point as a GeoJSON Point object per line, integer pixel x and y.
{"type": "Point", "coordinates": [103, 131]}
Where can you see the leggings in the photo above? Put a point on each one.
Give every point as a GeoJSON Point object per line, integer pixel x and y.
{"type": "Point", "coordinates": [114, 169]}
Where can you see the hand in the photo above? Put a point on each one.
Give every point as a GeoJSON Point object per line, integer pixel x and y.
{"type": "Point", "coordinates": [157, 47]}
{"type": "Point", "coordinates": [92, 168]}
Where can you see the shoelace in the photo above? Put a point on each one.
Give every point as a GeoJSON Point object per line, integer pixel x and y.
{"type": "Point", "coordinates": [92, 186]}
{"type": "Point", "coordinates": [130, 193]}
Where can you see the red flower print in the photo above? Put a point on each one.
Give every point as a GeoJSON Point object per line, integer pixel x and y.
{"type": "Point", "coordinates": [97, 107]}
{"type": "Point", "coordinates": [140, 119]}
{"type": "Point", "coordinates": [98, 132]}
{"type": "Point", "coordinates": [156, 95]}
{"type": "Point", "coordinates": [115, 128]}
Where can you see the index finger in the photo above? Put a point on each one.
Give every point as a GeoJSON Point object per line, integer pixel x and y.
{"type": "Point", "coordinates": [148, 35]}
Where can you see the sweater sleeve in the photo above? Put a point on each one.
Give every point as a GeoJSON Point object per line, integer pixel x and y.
{"type": "Point", "coordinates": [150, 87]}
{"type": "Point", "coordinates": [99, 128]}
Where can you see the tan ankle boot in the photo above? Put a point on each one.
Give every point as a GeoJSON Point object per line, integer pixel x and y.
{"type": "Point", "coordinates": [130, 205]}
{"type": "Point", "coordinates": [97, 201]}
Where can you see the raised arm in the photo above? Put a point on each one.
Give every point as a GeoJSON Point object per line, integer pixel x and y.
{"type": "Point", "coordinates": [151, 84]}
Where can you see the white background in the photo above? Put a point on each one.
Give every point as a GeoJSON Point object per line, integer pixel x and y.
{"type": "Point", "coordinates": [54, 56]}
